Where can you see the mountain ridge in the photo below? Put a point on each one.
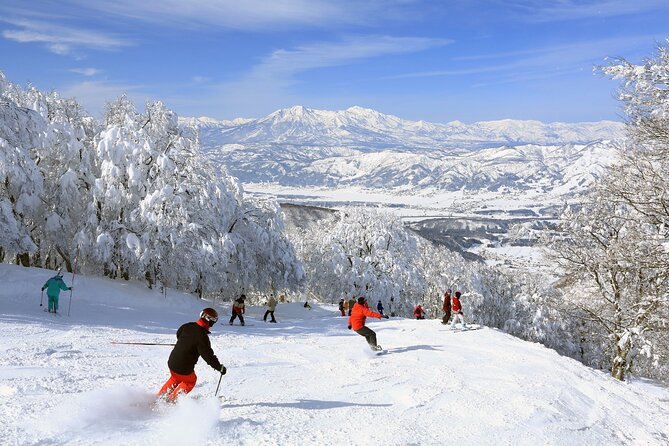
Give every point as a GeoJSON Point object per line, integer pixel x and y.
{"type": "Point", "coordinates": [301, 147]}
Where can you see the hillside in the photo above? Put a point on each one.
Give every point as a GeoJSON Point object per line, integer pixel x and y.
{"type": "Point", "coordinates": [305, 380]}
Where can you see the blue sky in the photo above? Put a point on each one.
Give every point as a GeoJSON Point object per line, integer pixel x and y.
{"type": "Point", "coordinates": [439, 61]}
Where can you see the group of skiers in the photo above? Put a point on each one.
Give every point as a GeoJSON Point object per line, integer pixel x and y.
{"type": "Point", "coordinates": [193, 337]}
{"type": "Point", "coordinates": [453, 306]}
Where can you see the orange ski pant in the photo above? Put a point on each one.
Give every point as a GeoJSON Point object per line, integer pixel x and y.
{"type": "Point", "coordinates": [178, 384]}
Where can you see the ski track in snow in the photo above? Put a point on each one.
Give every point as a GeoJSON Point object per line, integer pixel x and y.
{"type": "Point", "coordinates": [305, 380]}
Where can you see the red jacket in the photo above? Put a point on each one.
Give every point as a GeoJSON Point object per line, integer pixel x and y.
{"type": "Point", "coordinates": [358, 315]}
{"type": "Point", "coordinates": [457, 308]}
{"type": "Point", "coordinates": [447, 303]}
{"type": "Point", "coordinates": [418, 311]}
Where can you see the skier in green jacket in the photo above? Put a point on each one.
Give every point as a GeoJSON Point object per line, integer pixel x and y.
{"type": "Point", "coordinates": [53, 287]}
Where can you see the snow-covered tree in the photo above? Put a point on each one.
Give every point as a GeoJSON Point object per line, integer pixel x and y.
{"type": "Point", "coordinates": [361, 253]}
{"type": "Point", "coordinates": [607, 254]}
{"type": "Point", "coordinates": [63, 157]}
{"type": "Point", "coordinates": [20, 180]}
{"type": "Point", "coordinates": [266, 260]}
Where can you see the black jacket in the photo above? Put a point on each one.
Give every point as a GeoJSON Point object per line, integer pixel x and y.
{"type": "Point", "coordinates": [192, 342]}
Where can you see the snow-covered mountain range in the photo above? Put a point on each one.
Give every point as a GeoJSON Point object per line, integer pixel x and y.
{"type": "Point", "coordinates": [300, 147]}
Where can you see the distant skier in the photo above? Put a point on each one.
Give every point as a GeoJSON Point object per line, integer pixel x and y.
{"type": "Point", "coordinates": [351, 304]}
{"type": "Point", "coordinates": [53, 287]}
{"type": "Point", "coordinates": [457, 311]}
{"type": "Point", "coordinates": [192, 342]}
{"type": "Point", "coordinates": [346, 308]}
{"type": "Point", "coordinates": [379, 308]}
{"type": "Point", "coordinates": [271, 306]}
{"type": "Point", "coordinates": [356, 322]}
{"type": "Point", "coordinates": [238, 309]}
{"type": "Point", "coordinates": [306, 305]}
{"type": "Point", "coordinates": [446, 307]}
{"type": "Point", "coordinates": [419, 312]}
{"type": "Point", "coordinates": [341, 307]}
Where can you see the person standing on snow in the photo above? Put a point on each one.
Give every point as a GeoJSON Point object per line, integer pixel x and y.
{"type": "Point", "coordinates": [379, 308]}
{"type": "Point", "coordinates": [446, 307]}
{"type": "Point", "coordinates": [351, 304]}
{"type": "Point", "coordinates": [356, 322]}
{"type": "Point", "coordinates": [53, 287]}
{"type": "Point", "coordinates": [238, 309]}
{"type": "Point", "coordinates": [192, 342]}
{"type": "Point", "coordinates": [271, 306]}
{"type": "Point", "coordinates": [457, 310]}
{"type": "Point", "coordinates": [419, 312]}
{"type": "Point", "coordinates": [341, 307]}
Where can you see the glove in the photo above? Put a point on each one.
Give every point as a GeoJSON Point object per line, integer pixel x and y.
{"type": "Point", "coordinates": [349, 327]}
{"type": "Point", "coordinates": [223, 370]}
{"type": "Point", "coordinates": [385, 316]}
{"type": "Point", "coordinates": [71, 288]}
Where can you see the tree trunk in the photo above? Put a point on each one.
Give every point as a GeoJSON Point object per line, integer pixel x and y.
{"type": "Point", "coordinates": [23, 259]}
{"type": "Point", "coordinates": [622, 348]}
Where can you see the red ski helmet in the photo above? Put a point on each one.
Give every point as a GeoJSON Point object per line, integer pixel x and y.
{"type": "Point", "coordinates": [210, 316]}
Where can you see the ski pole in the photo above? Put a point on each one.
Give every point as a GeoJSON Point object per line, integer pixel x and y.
{"type": "Point", "coordinates": [142, 343]}
{"type": "Point", "coordinates": [74, 271]}
{"type": "Point", "coordinates": [219, 384]}
{"type": "Point", "coordinates": [41, 296]}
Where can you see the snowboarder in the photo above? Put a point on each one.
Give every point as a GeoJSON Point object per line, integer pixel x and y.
{"type": "Point", "coordinates": [306, 305]}
{"type": "Point", "coordinates": [457, 310]}
{"type": "Point", "coordinates": [271, 306]}
{"type": "Point", "coordinates": [356, 322]}
{"type": "Point", "coordinates": [379, 308]}
{"type": "Point", "coordinates": [341, 307]}
{"type": "Point", "coordinates": [53, 287]}
{"type": "Point", "coordinates": [192, 342]}
{"type": "Point", "coordinates": [238, 309]}
{"type": "Point", "coordinates": [419, 312]}
{"type": "Point", "coordinates": [446, 307]}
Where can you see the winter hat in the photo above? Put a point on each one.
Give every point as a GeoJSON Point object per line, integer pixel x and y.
{"type": "Point", "coordinates": [449, 291]}
{"type": "Point", "coordinates": [361, 300]}
{"type": "Point", "coordinates": [457, 294]}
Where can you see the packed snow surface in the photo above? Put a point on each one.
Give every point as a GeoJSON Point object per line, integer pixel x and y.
{"type": "Point", "coordinates": [305, 380]}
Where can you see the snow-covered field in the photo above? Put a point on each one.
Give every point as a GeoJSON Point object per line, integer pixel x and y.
{"type": "Point", "coordinates": [306, 380]}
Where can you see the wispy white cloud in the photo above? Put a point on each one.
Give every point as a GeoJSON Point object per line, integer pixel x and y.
{"type": "Point", "coordinates": [285, 63]}
{"type": "Point", "coordinates": [257, 15]}
{"type": "Point", "coordinates": [61, 39]}
{"type": "Point", "coordinates": [88, 72]}
{"type": "Point", "coordinates": [565, 10]}
{"type": "Point", "coordinates": [551, 59]}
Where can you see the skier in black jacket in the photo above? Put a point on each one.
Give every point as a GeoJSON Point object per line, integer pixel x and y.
{"type": "Point", "coordinates": [192, 342]}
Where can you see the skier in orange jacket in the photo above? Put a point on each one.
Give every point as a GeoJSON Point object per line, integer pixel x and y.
{"type": "Point", "coordinates": [356, 322]}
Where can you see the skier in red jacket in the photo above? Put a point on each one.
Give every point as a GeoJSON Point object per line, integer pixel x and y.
{"type": "Point", "coordinates": [356, 321]}
{"type": "Point", "coordinates": [457, 311]}
{"type": "Point", "coordinates": [192, 342]}
{"type": "Point", "coordinates": [419, 312]}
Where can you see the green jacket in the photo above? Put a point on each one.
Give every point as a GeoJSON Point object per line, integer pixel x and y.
{"type": "Point", "coordinates": [54, 285]}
